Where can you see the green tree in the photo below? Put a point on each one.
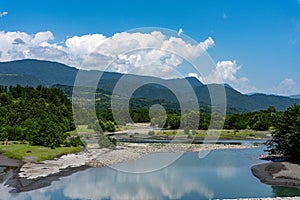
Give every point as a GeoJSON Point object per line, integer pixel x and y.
{"type": "Point", "coordinates": [173, 121]}
{"type": "Point", "coordinates": [235, 121]}
{"type": "Point", "coordinates": [286, 137]}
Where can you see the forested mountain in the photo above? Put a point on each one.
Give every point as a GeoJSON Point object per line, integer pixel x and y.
{"type": "Point", "coordinates": [34, 72]}
{"type": "Point", "coordinates": [19, 79]}
{"type": "Point", "coordinates": [41, 115]}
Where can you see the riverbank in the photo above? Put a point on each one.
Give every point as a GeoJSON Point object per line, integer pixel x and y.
{"type": "Point", "coordinates": [278, 173]}
{"type": "Point", "coordinates": [8, 162]}
{"type": "Point", "coordinates": [33, 175]}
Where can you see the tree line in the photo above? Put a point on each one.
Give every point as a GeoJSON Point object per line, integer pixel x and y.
{"type": "Point", "coordinates": [262, 120]}
{"type": "Point", "coordinates": [41, 116]}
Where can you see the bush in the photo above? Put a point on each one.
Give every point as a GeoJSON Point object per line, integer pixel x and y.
{"type": "Point", "coordinates": [67, 143]}
{"type": "Point", "coordinates": [286, 137]}
{"type": "Point", "coordinates": [151, 133]}
{"type": "Point", "coordinates": [76, 141]}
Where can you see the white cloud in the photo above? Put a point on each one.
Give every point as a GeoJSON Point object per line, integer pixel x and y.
{"type": "Point", "coordinates": [85, 44]}
{"type": "Point", "coordinates": [151, 53]}
{"type": "Point", "coordinates": [194, 75]}
{"type": "Point", "coordinates": [139, 53]}
{"type": "Point", "coordinates": [226, 172]}
{"type": "Point", "coordinates": [225, 72]}
{"type": "Point", "coordinates": [42, 37]}
{"type": "Point", "coordinates": [167, 183]}
{"type": "Point", "coordinates": [180, 31]}
{"type": "Point", "coordinates": [227, 69]}
{"type": "Point", "coordinates": [243, 85]}
{"type": "Point", "coordinates": [286, 87]}
{"type": "Point", "coordinates": [287, 83]}
{"type": "Point", "coordinates": [20, 45]}
{"type": "Point", "coordinates": [2, 14]}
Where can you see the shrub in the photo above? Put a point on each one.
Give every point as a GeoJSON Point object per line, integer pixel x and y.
{"type": "Point", "coordinates": [286, 138]}
{"type": "Point", "coordinates": [76, 141]}
{"type": "Point", "coordinates": [151, 133]}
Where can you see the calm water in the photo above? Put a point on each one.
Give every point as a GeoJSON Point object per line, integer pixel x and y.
{"type": "Point", "coordinates": [222, 174]}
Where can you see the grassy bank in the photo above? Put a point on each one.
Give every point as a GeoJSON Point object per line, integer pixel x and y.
{"type": "Point", "coordinates": [221, 134]}
{"type": "Point", "coordinates": [20, 151]}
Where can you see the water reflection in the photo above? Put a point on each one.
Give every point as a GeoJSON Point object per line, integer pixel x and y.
{"type": "Point", "coordinates": [5, 173]}
{"type": "Point", "coordinates": [165, 185]}
{"type": "Point", "coordinates": [226, 172]}
{"type": "Point", "coordinates": [285, 191]}
{"type": "Point", "coordinates": [223, 174]}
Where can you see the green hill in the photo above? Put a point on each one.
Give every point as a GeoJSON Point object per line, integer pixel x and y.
{"type": "Point", "coordinates": [34, 72]}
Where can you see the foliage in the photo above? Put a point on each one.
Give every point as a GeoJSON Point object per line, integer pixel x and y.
{"type": "Point", "coordinates": [39, 115]}
{"type": "Point", "coordinates": [107, 142]}
{"type": "Point", "coordinates": [76, 141]}
{"type": "Point", "coordinates": [260, 120]}
{"type": "Point", "coordinates": [18, 151]}
{"type": "Point", "coordinates": [151, 133]}
{"type": "Point", "coordinates": [101, 126]}
{"type": "Point", "coordinates": [286, 137]}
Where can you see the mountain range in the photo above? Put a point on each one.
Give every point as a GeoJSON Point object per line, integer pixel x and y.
{"type": "Point", "coordinates": [35, 72]}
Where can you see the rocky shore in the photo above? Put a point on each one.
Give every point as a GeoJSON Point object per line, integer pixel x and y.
{"type": "Point", "coordinates": [278, 173]}
{"type": "Point", "coordinates": [33, 175]}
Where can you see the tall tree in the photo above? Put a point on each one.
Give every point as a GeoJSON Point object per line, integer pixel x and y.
{"type": "Point", "coordinates": [286, 137]}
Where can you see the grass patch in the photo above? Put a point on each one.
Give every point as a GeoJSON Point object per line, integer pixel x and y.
{"type": "Point", "coordinates": [81, 129]}
{"type": "Point", "coordinates": [19, 151]}
{"type": "Point", "coordinates": [221, 134]}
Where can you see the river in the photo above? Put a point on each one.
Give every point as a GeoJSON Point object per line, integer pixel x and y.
{"type": "Point", "coordinates": [221, 174]}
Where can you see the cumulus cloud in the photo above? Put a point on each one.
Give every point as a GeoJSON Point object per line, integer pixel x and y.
{"type": "Point", "coordinates": [286, 87]}
{"type": "Point", "coordinates": [243, 85]}
{"type": "Point", "coordinates": [2, 14]}
{"type": "Point", "coordinates": [225, 72]}
{"type": "Point", "coordinates": [85, 44]}
{"type": "Point", "coordinates": [20, 45]}
{"type": "Point", "coordinates": [152, 53]}
{"type": "Point", "coordinates": [287, 83]}
{"type": "Point", "coordinates": [227, 69]}
{"type": "Point", "coordinates": [194, 75]}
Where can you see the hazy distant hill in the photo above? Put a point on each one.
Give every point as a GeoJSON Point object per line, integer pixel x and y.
{"type": "Point", "coordinates": [297, 96]}
{"type": "Point", "coordinates": [34, 72]}
{"type": "Point", "coordinates": [48, 72]}
{"type": "Point", "coordinates": [19, 79]}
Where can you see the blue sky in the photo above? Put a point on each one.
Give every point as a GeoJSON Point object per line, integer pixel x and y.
{"type": "Point", "coordinates": [262, 37]}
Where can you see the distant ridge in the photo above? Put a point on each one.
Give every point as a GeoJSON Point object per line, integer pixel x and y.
{"type": "Point", "coordinates": [19, 79]}
{"type": "Point", "coordinates": [34, 72]}
{"type": "Point", "coordinates": [297, 96]}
